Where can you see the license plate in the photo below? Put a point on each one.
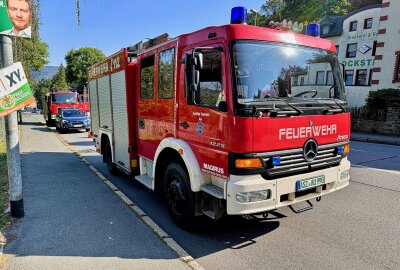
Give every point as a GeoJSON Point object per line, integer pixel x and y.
{"type": "Point", "coordinates": [310, 183]}
{"type": "Point", "coordinates": [78, 125]}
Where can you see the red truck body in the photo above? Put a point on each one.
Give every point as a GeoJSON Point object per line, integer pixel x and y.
{"type": "Point", "coordinates": [197, 128]}
{"type": "Point", "coordinates": [54, 101]}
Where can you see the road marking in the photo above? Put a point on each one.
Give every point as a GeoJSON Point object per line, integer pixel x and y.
{"type": "Point", "coordinates": [161, 234]}
{"type": "Point", "coordinates": [375, 169]}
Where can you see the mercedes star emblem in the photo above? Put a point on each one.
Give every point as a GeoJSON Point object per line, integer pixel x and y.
{"type": "Point", "coordinates": [310, 150]}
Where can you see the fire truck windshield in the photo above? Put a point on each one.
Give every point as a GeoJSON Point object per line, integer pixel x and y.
{"type": "Point", "coordinates": [63, 98]}
{"type": "Point", "coordinates": [265, 71]}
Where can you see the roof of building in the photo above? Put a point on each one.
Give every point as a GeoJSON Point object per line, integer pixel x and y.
{"type": "Point", "coordinates": [335, 22]}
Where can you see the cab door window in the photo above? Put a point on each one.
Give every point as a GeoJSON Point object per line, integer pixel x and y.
{"type": "Point", "coordinates": [147, 78]}
{"type": "Point", "coordinates": [209, 92]}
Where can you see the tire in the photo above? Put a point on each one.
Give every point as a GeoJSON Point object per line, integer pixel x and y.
{"type": "Point", "coordinates": [108, 159]}
{"type": "Point", "coordinates": [88, 129]}
{"type": "Point", "coordinates": [179, 196]}
{"type": "Point", "coordinates": [57, 128]}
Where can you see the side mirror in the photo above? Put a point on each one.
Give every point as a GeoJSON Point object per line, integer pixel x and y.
{"type": "Point", "coordinates": [196, 63]}
{"type": "Point", "coordinates": [223, 106]}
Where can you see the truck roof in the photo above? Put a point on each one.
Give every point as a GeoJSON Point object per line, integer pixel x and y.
{"type": "Point", "coordinates": [249, 32]}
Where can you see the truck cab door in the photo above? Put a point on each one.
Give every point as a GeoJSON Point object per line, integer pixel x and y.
{"type": "Point", "coordinates": [202, 112]}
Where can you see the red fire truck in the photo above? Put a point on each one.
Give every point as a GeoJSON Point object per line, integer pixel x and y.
{"type": "Point", "coordinates": [63, 99]}
{"type": "Point", "coordinates": [233, 119]}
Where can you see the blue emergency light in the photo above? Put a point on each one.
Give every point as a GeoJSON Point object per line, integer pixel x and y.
{"type": "Point", "coordinates": [276, 161]}
{"type": "Point", "coordinates": [239, 15]}
{"type": "Point", "coordinates": [313, 29]}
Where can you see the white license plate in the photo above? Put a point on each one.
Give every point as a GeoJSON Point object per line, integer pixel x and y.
{"type": "Point", "coordinates": [310, 183]}
{"type": "Point", "coordinates": [78, 125]}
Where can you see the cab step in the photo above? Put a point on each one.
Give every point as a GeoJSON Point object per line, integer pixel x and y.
{"type": "Point", "coordinates": [145, 180]}
{"type": "Point", "coordinates": [213, 190]}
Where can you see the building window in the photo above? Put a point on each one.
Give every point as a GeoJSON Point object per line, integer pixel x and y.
{"type": "Point", "coordinates": [302, 81]}
{"type": "Point", "coordinates": [361, 77]}
{"type": "Point", "coordinates": [353, 26]}
{"type": "Point", "coordinates": [370, 77]}
{"type": "Point", "coordinates": [368, 23]}
{"type": "Point", "coordinates": [319, 80]}
{"type": "Point", "coordinates": [329, 78]}
{"type": "Point", "coordinates": [325, 29]}
{"type": "Point", "coordinates": [374, 48]}
{"type": "Point", "coordinates": [147, 77]}
{"type": "Point", "coordinates": [166, 73]}
{"type": "Point", "coordinates": [396, 75]}
{"type": "Point", "coordinates": [348, 77]}
{"type": "Point", "coordinates": [351, 50]}
{"type": "Point", "coordinates": [295, 80]}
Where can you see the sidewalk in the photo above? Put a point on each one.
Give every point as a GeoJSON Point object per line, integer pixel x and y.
{"type": "Point", "coordinates": [375, 138]}
{"type": "Point", "coordinates": [72, 220]}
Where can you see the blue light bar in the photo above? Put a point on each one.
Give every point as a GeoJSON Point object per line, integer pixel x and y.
{"type": "Point", "coordinates": [276, 161]}
{"type": "Point", "coordinates": [239, 15]}
{"type": "Point", "coordinates": [340, 150]}
{"type": "Point", "coordinates": [313, 30]}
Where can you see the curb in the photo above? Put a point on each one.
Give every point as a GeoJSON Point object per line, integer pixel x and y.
{"type": "Point", "coordinates": [371, 140]}
{"type": "Point", "coordinates": [182, 254]}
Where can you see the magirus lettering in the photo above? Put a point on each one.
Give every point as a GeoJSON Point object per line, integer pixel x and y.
{"type": "Point", "coordinates": [213, 168]}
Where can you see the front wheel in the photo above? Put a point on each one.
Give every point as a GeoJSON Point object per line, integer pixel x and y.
{"type": "Point", "coordinates": [179, 196]}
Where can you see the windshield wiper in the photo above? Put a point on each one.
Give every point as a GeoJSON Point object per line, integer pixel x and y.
{"type": "Point", "coordinates": [334, 110]}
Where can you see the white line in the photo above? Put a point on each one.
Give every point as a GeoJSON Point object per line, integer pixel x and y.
{"type": "Point", "coordinates": [375, 169]}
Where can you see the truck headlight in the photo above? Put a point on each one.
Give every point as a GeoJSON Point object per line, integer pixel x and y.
{"type": "Point", "coordinates": [253, 196]}
{"type": "Point", "coordinates": [344, 175]}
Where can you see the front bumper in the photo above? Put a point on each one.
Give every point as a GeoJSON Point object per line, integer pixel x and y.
{"type": "Point", "coordinates": [72, 127]}
{"type": "Point", "coordinates": [283, 190]}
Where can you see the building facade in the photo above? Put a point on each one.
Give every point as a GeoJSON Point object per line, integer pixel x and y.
{"type": "Point", "coordinates": [368, 45]}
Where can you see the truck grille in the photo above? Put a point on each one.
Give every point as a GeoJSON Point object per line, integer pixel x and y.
{"type": "Point", "coordinates": [293, 161]}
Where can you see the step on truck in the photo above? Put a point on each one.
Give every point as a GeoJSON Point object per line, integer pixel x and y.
{"type": "Point", "coordinates": [233, 119]}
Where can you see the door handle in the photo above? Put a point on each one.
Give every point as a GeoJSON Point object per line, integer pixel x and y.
{"type": "Point", "coordinates": [184, 124]}
{"type": "Point", "coordinates": [141, 123]}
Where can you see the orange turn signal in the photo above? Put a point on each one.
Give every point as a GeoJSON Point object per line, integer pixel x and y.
{"type": "Point", "coordinates": [346, 149]}
{"type": "Point", "coordinates": [248, 163]}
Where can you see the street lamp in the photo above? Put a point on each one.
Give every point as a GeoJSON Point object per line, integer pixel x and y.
{"type": "Point", "coordinates": [255, 12]}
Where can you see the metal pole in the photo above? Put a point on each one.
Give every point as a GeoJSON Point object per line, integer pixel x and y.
{"type": "Point", "coordinates": [12, 140]}
{"type": "Point", "coordinates": [255, 20]}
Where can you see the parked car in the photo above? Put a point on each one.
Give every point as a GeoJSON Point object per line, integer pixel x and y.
{"type": "Point", "coordinates": [71, 119]}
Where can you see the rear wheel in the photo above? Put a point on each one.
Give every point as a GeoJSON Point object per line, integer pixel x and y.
{"type": "Point", "coordinates": [179, 196]}
{"type": "Point", "coordinates": [108, 159]}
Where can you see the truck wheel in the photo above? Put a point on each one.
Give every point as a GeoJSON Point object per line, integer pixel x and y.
{"type": "Point", "coordinates": [179, 196]}
{"type": "Point", "coordinates": [108, 158]}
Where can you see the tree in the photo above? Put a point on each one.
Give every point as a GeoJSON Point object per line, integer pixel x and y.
{"type": "Point", "coordinates": [41, 88]}
{"type": "Point", "coordinates": [58, 81]}
{"type": "Point", "coordinates": [78, 62]}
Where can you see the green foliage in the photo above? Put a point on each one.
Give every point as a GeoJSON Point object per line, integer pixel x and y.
{"type": "Point", "coordinates": [303, 11]}
{"type": "Point", "coordinates": [59, 82]}
{"type": "Point", "coordinates": [356, 4]}
{"type": "Point", "coordinates": [384, 98]}
{"type": "Point", "coordinates": [40, 88]}
{"type": "Point", "coordinates": [78, 62]}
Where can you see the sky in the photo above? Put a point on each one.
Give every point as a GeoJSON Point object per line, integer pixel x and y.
{"type": "Point", "coordinates": [112, 25]}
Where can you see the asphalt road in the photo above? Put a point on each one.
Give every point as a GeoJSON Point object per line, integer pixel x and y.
{"type": "Point", "coordinates": [354, 228]}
